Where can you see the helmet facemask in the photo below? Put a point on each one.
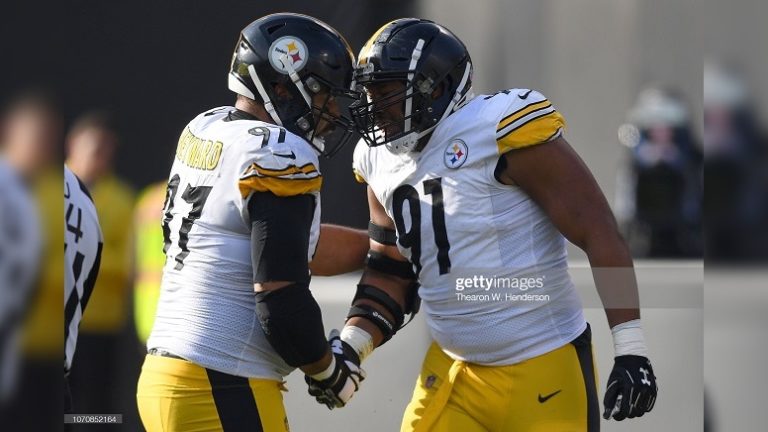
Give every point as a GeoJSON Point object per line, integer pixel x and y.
{"type": "Point", "coordinates": [314, 109]}
{"type": "Point", "coordinates": [376, 123]}
{"type": "Point", "coordinates": [329, 119]}
{"type": "Point", "coordinates": [421, 109]}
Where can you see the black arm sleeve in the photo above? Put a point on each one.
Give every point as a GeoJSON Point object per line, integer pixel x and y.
{"type": "Point", "coordinates": [289, 316]}
{"type": "Point", "coordinates": [280, 228]}
{"type": "Point", "coordinates": [293, 324]}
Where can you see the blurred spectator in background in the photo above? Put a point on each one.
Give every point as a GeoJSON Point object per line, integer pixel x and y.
{"type": "Point", "coordinates": [31, 144]}
{"type": "Point", "coordinates": [106, 363]}
{"type": "Point", "coordinates": [150, 258]}
{"type": "Point", "coordinates": [659, 194]}
{"type": "Point", "coordinates": [735, 201]}
{"type": "Point", "coordinates": [19, 261]}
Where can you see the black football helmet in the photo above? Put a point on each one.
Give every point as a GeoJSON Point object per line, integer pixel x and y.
{"type": "Point", "coordinates": [424, 56]}
{"type": "Point", "coordinates": [306, 56]}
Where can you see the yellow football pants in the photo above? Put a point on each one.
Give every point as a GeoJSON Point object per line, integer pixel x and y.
{"type": "Point", "coordinates": [176, 395]}
{"type": "Point", "coordinates": [554, 392]}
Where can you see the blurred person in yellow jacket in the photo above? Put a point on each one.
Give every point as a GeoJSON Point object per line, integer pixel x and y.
{"type": "Point", "coordinates": [30, 138]}
{"type": "Point", "coordinates": [103, 368]}
{"type": "Point", "coordinates": [150, 258]}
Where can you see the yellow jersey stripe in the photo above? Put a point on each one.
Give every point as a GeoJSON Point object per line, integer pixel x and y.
{"type": "Point", "coordinates": [256, 169]}
{"type": "Point", "coordinates": [535, 131]}
{"type": "Point", "coordinates": [279, 186]}
{"type": "Point", "coordinates": [540, 113]}
{"type": "Point", "coordinates": [522, 112]}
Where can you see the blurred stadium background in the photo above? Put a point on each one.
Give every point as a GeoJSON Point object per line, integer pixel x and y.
{"type": "Point", "coordinates": [121, 79]}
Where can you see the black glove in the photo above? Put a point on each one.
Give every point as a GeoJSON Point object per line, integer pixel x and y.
{"type": "Point", "coordinates": [631, 390]}
{"type": "Point", "coordinates": [336, 390]}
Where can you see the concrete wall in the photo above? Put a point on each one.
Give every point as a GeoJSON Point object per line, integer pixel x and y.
{"type": "Point", "coordinates": [590, 57]}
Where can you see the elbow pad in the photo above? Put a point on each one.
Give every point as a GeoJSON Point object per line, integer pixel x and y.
{"type": "Point", "coordinates": [293, 324]}
{"type": "Point", "coordinates": [382, 299]}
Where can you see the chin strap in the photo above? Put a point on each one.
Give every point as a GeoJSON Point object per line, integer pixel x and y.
{"type": "Point", "coordinates": [457, 99]}
{"type": "Point", "coordinates": [302, 123]}
{"type": "Point", "coordinates": [408, 142]}
{"type": "Point", "coordinates": [296, 80]}
{"type": "Point", "coordinates": [268, 105]}
{"type": "Point", "coordinates": [415, 56]}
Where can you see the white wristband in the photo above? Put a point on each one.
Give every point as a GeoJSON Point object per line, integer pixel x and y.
{"type": "Point", "coordinates": [360, 340]}
{"type": "Point", "coordinates": [628, 339]}
{"type": "Point", "coordinates": [328, 372]}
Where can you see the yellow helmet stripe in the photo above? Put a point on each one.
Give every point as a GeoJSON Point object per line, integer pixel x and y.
{"type": "Point", "coordinates": [365, 52]}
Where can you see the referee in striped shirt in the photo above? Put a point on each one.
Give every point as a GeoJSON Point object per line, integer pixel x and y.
{"type": "Point", "coordinates": [83, 243]}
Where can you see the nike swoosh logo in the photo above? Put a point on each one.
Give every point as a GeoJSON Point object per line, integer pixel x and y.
{"type": "Point", "coordinates": [524, 96]}
{"type": "Point", "coordinates": [292, 155]}
{"type": "Point", "coordinates": [543, 399]}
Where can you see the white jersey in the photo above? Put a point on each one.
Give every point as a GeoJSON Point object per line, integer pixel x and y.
{"type": "Point", "coordinates": [19, 261]}
{"type": "Point", "coordinates": [492, 266]}
{"type": "Point", "coordinates": [207, 308]}
{"type": "Point", "coordinates": [83, 242]}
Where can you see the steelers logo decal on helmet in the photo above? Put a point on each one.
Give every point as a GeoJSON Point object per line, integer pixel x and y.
{"type": "Point", "coordinates": [455, 154]}
{"type": "Point", "coordinates": [288, 49]}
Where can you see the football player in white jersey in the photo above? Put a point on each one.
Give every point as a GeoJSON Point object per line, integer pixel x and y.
{"type": "Point", "coordinates": [473, 197]}
{"type": "Point", "coordinates": [241, 224]}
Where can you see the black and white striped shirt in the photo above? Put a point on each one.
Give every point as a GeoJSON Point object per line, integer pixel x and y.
{"type": "Point", "coordinates": [83, 242]}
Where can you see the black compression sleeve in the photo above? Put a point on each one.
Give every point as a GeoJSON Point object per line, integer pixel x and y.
{"type": "Point", "coordinates": [292, 322]}
{"type": "Point", "coordinates": [280, 230]}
